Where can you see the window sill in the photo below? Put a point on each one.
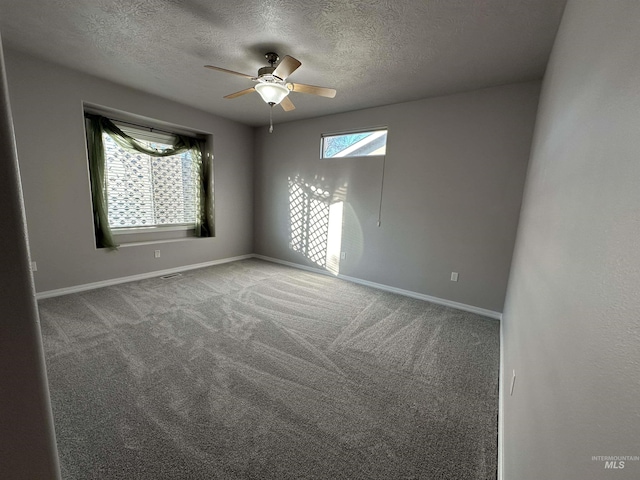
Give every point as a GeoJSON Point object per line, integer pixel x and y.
{"type": "Point", "coordinates": [139, 236]}
{"type": "Point", "coordinates": [157, 242]}
{"type": "Point", "coordinates": [154, 229]}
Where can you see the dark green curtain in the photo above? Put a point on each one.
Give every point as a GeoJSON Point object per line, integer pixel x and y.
{"type": "Point", "coordinates": [96, 126]}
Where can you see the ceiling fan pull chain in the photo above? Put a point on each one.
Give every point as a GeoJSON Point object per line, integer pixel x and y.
{"type": "Point", "coordinates": [270, 118]}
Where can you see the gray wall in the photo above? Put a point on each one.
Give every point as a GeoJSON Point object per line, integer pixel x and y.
{"type": "Point", "coordinates": [455, 170]}
{"type": "Point", "coordinates": [572, 314]}
{"type": "Point", "coordinates": [27, 444]}
{"type": "Point", "coordinates": [47, 108]}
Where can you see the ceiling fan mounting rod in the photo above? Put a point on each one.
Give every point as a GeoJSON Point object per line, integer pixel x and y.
{"type": "Point", "coordinates": [271, 57]}
{"type": "Point", "coordinates": [267, 72]}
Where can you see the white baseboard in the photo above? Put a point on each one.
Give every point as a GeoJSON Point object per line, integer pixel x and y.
{"type": "Point", "coordinates": [158, 273]}
{"type": "Point", "coordinates": [400, 291]}
{"type": "Point", "coordinates": [132, 278]}
{"type": "Point", "coordinates": [501, 406]}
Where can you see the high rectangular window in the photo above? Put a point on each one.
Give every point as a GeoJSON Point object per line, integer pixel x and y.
{"type": "Point", "coordinates": [355, 144]}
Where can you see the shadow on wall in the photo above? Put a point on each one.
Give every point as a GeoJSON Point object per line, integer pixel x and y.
{"type": "Point", "coordinates": [316, 221]}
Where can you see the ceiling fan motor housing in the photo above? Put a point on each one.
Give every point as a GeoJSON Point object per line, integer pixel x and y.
{"type": "Point", "coordinates": [264, 71]}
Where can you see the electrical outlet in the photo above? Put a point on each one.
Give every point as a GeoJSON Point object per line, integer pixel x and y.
{"type": "Point", "coordinates": [454, 276]}
{"type": "Point", "coordinates": [343, 255]}
{"type": "Point", "coordinates": [513, 383]}
{"type": "Point", "coordinates": [34, 267]}
{"type": "Point", "coordinates": [156, 254]}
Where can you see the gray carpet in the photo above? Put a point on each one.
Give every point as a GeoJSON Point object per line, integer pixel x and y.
{"type": "Point", "coordinates": [252, 370]}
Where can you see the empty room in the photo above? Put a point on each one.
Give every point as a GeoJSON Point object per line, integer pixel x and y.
{"type": "Point", "coordinates": [320, 240]}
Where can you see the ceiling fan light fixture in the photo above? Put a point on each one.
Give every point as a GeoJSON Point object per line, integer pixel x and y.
{"type": "Point", "coordinates": [272, 93]}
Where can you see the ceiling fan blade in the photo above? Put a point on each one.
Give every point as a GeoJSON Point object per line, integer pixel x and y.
{"type": "Point", "coordinates": [287, 105]}
{"type": "Point", "coordinates": [286, 67]}
{"type": "Point", "coordinates": [228, 71]}
{"type": "Point", "coordinates": [313, 90]}
{"type": "Point", "coordinates": [240, 93]}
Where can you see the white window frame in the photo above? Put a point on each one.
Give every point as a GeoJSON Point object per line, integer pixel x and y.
{"type": "Point", "coordinates": [376, 132]}
{"type": "Point", "coordinates": [148, 134]}
{"type": "Point", "coordinates": [161, 132]}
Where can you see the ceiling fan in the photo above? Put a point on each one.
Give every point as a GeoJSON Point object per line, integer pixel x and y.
{"type": "Point", "coordinates": [271, 84]}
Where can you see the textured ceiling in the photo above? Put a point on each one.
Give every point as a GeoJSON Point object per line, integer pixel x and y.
{"type": "Point", "coordinates": [374, 52]}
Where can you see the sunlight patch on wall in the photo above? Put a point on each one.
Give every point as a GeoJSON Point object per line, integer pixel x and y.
{"type": "Point", "coordinates": [334, 241]}
{"type": "Point", "coordinates": [315, 224]}
{"type": "Point", "coordinates": [309, 220]}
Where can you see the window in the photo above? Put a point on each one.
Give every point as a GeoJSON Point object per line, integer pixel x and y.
{"type": "Point", "coordinates": [146, 191]}
{"type": "Point", "coordinates": [147, 185]}
{"type": "Point", "coordinates": [355, 144]}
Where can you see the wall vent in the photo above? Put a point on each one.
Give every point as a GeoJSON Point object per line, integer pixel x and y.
{"type": "Point", "coordinates": [171, 275]}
